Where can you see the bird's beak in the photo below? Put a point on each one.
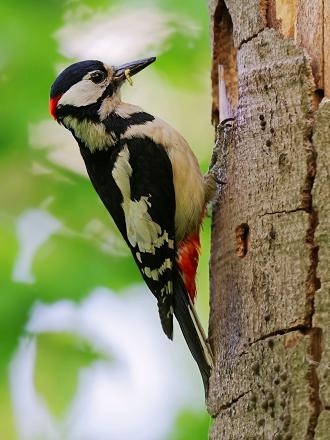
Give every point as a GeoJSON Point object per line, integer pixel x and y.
{"type": "Point", "coordinates": [127, 70]}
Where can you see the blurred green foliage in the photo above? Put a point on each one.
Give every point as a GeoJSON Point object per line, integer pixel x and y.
{"type": "Point", "coordinates": [67, 265]}
{"type": "Point", "coordinates": [52, 349]}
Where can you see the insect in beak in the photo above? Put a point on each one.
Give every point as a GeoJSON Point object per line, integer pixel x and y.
{"type": "Point", "coordinates": [128, 77]}
{"type": "Point", "coordinates": [127, 70]}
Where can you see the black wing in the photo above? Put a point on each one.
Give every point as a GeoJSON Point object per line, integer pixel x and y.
{"type": "Point", "coordinates": [150, 222]}
{"type": "Point", "coordinates": [135, 182]}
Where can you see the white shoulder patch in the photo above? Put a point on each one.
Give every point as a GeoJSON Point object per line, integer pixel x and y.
{"type": "Point", "coordinates": [122, 172]}
{"type": "Point", "coordinates": [141, 230]}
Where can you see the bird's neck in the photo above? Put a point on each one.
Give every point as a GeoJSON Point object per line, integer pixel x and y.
{"type": "Point", "coordinates": [104, 130]}
{"type": "Point", "coordinates": [117, 106]}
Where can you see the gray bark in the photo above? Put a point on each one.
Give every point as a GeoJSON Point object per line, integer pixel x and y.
{"type": "Point", "coordinates": [270, 259]}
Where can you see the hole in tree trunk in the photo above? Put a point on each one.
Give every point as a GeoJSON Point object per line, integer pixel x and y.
{"type": "Point", "coordinates": [242, 233]}
{"type": "Point", "coordinates": [318, 96]}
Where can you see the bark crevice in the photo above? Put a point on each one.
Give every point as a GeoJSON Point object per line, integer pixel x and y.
{"type": "Point", "coordinates": [313, 284]}
{"type": "Point", "coordinates": [230, 404]}
{"type": "Point", "coordinates": [252, 37]}
{"type": "Point", "coordinates": [289, 211]}
{"type": "Point", "coordinates": [298, 328]}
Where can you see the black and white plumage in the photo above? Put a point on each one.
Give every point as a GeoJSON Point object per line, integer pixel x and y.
{"type": "Point", "coordinates": [148, 179]}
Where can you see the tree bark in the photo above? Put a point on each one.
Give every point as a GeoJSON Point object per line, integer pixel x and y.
{"type": "Point", "coordinates": [270, 259]}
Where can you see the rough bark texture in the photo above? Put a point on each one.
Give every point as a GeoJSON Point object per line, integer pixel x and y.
{"type": "Point", "coordinates": [321, 318]}
{"type": "Point", "coordinates": [270, 262]}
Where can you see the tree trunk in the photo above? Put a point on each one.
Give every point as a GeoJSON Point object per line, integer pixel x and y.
{"type": "Point", "coordinates": [270, 260]}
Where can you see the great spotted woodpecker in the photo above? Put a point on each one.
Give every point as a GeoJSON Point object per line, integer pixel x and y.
{"type": "Point", "coordinates": [149, 180]}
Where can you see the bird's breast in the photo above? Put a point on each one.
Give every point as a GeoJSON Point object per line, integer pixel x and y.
{"type": "Point", "coordinates": [95, 135]}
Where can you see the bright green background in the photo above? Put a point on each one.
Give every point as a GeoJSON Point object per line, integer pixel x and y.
{"type": "Point", "coordinates": [65, 266]}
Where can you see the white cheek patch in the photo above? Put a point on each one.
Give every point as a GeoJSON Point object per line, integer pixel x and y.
{"type": "Point", "coordinates": [141, 230]}
{"type": "Point", "coordinates": [83, 93]}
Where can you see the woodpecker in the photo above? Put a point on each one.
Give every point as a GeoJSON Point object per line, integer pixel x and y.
{"type": "Point", "coordinates": [149, 181]}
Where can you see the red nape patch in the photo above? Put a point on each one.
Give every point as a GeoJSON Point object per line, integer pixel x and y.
{"type": "Point", "coordinates": [188, 256]}
{"type": "Point", "coordinates": [52, 105]}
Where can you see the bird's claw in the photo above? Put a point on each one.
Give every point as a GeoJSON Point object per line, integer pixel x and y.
{"type": "Point", "coordinates": [218, 181]}
{"type": "Point", "coordinates": [227, 122]}
{"type": "Point", "coordinates": [217, 165]}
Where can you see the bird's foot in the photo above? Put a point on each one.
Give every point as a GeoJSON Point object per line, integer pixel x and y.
{"type": "Point", "coordinates": [215, 174]}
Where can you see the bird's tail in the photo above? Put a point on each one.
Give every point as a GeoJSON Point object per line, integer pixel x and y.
{"type": "Point", "coordinates": [192, 330]}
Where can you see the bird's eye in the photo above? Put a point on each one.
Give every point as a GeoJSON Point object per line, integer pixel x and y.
{"type": "Point", "coordinates": [98, 76]}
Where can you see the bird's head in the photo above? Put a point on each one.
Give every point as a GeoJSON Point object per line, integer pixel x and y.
{"type": "Point", "coordinates": [82, 87]}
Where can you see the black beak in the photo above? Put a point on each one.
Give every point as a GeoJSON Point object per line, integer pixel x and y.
{"type": "Point", "coordinates": [120, 72]}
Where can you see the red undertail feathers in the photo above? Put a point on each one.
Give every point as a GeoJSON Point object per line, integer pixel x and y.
{"type": "Point", "coordinates": [188, 256]}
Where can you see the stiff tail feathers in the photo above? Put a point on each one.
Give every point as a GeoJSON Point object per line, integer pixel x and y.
{"type": "Point", "coordinates": [192, 329]}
